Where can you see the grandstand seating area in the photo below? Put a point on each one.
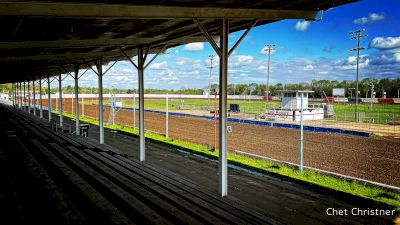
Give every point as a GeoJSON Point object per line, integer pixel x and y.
{"type": "Point", "coordinates": [77, 181]}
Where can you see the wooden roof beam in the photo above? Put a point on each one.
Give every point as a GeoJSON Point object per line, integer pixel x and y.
{"type": "Point", "coordinates": [130, 11]}
{"type": "Point", "coordinates": [96, 42]}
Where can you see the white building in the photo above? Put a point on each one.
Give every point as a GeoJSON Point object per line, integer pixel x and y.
{"type": "Point", "coordinates": [291, 107]}
{"type": "Point", "coordinates": [4, 97]}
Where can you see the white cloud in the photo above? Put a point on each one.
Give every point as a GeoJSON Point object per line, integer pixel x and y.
{"type": "Point", "coordinates": [385, 43]}
{"type": "Point", "coordinates": [196, 66]}
{"type": "Point", "coordinates": [242, 59]}
{"type": "Point", "coordinates": [262, 67]}
{"type": "Point", "coordinates": [198, 46]}
{"type": "Point", "coordinates": [180, 63]}
{"type": "Point", "coordinates": [127, 70]}
{"type": "Point", "coordinates": [351, 63]}
{"type": "Point", "coordinates": [397, 56]}
{"type": "Point", "coordinates": [302, 25]}
{"type": "Point", "coordinates": [371, 18]}
{"type": "Point", "coordinates": [351, 59]}
{"type": "Point", "coordinates": [308, 67]}
{"type": "Point", "coordinates": [323, 72]}
{"type": "Point", "coordinates": [159, 66]}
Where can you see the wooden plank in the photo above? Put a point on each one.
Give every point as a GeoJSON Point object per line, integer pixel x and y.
{"type": "Point", "coordinates": [132, 206]}
{"type": "Point", "coordinates": [48, 188]}
{"type": "Point", "coordinates": [206, 201]}
{"type": "Point", "coordinates": [216, 201]}
{"type": "Point", "coordinates": [146, 194]}
{"type": "Point", "coordinates": [108, 213]}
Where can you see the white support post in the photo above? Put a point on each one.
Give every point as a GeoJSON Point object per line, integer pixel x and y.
{"type": "Point", "coordinates": [140, 67]}
{"type": "Point", "coordinates": [24, 97]}
{"type": "Point", "coordinates": [20, 96]}
{"type": "Point", "coordinates": [60, 100]}
{"type": "Point", "coordinates": [100, 79]}
{"type": "Point", "coordinates": [72, 103]}
{"type": "Point", "coordinates": [76, 78]}
{"type": "Point", "coordinates": [48, 98]}
{"type": "Point", "coordinates": [134, 111]}
{"type": "Point", "coordinates": [141, 103]}
{"type": "Point", "coordinates": [34, 98]}
{"type": "Point", "coordinates": [41, 100]}
{"type": "Point", "coordinates": [223, 54]}
{"type": "Point", "coordinates": [83, 106]}
{"type": "Point", "coordinates": [223, 82]}
{"type": "Point", "coordinates": [13, 95]}
{"type": "Point", "coordinates": [166, 116]}
{"type": "Point", "coordinates": [29, 98]}
{"type": "Point", "coordinates": [301, 132]}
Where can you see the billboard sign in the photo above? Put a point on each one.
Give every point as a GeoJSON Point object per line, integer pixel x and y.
{"type": "Point", "coordinates": [338, 92]}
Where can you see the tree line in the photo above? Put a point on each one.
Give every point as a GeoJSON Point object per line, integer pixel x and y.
{"type": "Point", "coordinates": [320, 88]}
{"type": "Point", "coordinates": [390, 86]}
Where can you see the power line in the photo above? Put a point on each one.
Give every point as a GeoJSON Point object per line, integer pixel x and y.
{"type": "Point", "coordinates": [357, 35]}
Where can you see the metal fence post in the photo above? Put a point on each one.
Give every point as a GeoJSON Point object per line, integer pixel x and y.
{"type": "Point", "coordinates": [166, 116]}
{"type": "Point", "coordinates": [134, 111]}
{"type": "Point", "coordinates": [301, 132]}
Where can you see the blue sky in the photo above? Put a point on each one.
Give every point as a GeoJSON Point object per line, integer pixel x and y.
{"type": "Point", "coordinates": [303, 51]}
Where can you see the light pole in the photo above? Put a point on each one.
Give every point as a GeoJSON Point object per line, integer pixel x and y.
{"type": "Point", "coordinates": [268, 49]}
{"type": "Point", "coordinates": [357, 35]}
{"type": "Point", "coordinates": [372, 95]}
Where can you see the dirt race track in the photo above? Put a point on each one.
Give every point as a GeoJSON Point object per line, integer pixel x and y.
{"type": "Point", "coordinates": [375, 159]}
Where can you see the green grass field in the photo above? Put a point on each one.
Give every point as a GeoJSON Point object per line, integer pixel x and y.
{"type": "Point", "coordinates": [381, 114]}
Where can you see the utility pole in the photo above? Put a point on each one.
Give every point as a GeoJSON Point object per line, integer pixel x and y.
{"type": "Point", "coordinates": [211, 57]}
{"type": "Point", "coordinates": [357, 35]}
{"type": "Point", "coordinates": [268, 49]}
{"type": "Point", "coordinates": [372, 96]}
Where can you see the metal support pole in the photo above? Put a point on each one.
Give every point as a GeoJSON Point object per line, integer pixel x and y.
{"type": "Point", "coordinates": [60, 100]}
{"type": "Point", "coordinates": [166, 116]}
{"type": "Point", "coordinates": [29, 97]}
{"type": "Point", "coordinates": [301, 132]}
{"type": "Point", "coordinates": [72, 103]}
{"type": "Point", "coordinates": [215, 120]}
{"type": "Point", "coordinates": [223, 82]}
{"type": "Point", "coordinates": [76, 78]}
{"type": "Point", "coordinates": [24, 97]}
{"type": "Point", "coordinates": [34, 98]}
{"type": "Point", "coordinates": [100, 79]}
{"type": "Point", "coordinates": [13, 95]}
{"type": "Point", "coordinates": [134, 111]}
{"type": "Point", "coordinates": [83, 106]}
{"type": "Point", "coordinates": [372, 96]}
{"type": "Point", "coordinates": [48, 98]}
{"type": "Point", "coordinates": [20, 96]}
{"type": "Point", "coordinates": [141, 103]}
{"type": "Point", "coordinates": [41, 100]}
